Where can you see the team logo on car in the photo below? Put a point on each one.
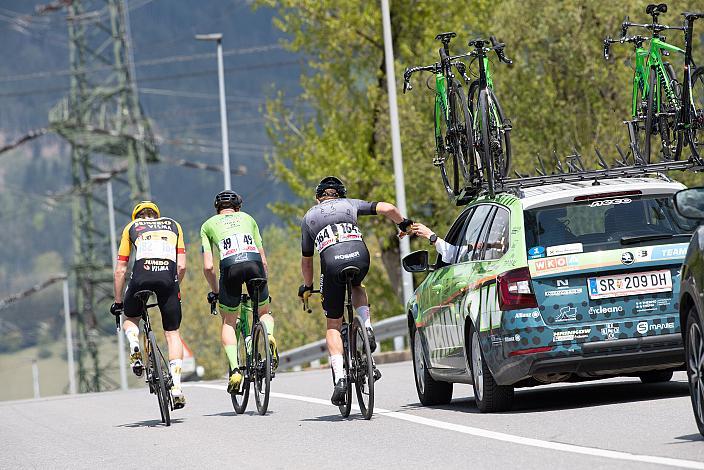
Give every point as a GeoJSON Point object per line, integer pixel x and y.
{"type": "Point", "coordinates": [627, 258]}
{"type": "Point", "coordinates": [536, 252]}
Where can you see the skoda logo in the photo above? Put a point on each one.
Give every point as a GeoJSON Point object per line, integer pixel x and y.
{"type": "Point", "coordinates": [627, 258]}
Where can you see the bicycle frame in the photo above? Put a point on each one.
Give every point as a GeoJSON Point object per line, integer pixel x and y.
{"type": "Point", "coordinates": [647, 59]}
{"type": "Point", "coordinates": [442, 108]}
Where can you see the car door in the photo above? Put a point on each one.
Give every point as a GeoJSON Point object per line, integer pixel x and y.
{"type": "Point", "coordinates": [430, 297]}
{"type": "Point", "coordinates": [465, 274]}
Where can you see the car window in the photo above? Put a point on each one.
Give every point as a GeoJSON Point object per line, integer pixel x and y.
{"type": "Point", "coordinates": [468, 242]}
{"type": "Point", "coordinates": [588, 226]}
{"type": "Point", "coordinates": [496, 243]}
{"type": "Point", "coordinates": [454, 233]}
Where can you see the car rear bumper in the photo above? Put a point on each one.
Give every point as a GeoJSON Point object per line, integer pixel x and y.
{"type": "Point", "coordinates": [599, 358]}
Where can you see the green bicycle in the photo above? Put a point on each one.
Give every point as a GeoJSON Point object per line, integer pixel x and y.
{"type": "Point", "coordinates": [656, 97]}
{"type": "Point", "coordinates": [454, 147]}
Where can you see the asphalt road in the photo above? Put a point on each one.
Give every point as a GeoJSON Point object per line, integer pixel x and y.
{"type": "Point", "coordinates": [617, 423]}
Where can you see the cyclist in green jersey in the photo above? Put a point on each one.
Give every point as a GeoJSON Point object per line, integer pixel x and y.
{"type": "Point", "coordinates": [239, 244]}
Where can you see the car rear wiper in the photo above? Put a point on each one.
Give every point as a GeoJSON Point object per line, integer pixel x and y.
{"type": "Point", "coordinates": [656, 236]}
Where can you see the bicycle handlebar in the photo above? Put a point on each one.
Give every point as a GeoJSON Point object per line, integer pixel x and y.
{"type": "Point", "coordinates": [499, 48]}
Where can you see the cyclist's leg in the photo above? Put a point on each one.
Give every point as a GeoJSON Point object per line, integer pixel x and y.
{"type": "Point", "coordinates": [333, 295]}
{"type": "Point", "coordinates": [169, 299]}
{"type": "Point", "coordinates": [133, 314]}
{"type": "Point", "coordinates": [230, 297]}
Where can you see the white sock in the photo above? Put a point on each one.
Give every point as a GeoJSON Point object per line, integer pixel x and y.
{"type": "Point", "coordinates": [338, 367]}
{"type": "Point", "coordinates": [132, 335]}
{"type": "Point", "coordinates": [175, 368]}
{"type": "Point", "coordinates": [364, 314]}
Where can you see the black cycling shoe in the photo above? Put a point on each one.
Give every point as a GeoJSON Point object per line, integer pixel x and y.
{"type": "Point", "coordinates": [338, 395]}
{"type": "Point", "coordinates": [372, 339]}
{"type": "Point", "coordinates": [377, 374]}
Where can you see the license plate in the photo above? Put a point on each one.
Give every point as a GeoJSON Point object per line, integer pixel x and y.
{"type": "Point", "coordinates": [622, 285]}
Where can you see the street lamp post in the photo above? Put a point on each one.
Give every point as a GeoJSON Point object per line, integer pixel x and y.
{"type": "Point", "coordinates": [217, 37]}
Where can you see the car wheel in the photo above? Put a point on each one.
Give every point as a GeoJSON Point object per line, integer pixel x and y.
{"type": "Point", "coordinates": [490, 396]}
{"type": "Point", "coordinates": [430, 391]}
{"type": "Point", "coordinates": [655, 376]}
{"type": "Point", "coordinates": [694, 353]}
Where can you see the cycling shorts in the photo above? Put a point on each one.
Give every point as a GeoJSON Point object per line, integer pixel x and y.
{"type": "Point", "coordinates": [231, 279]}
{"type": "Point", "coordinates": [168, 297]}
{"type": "Point", "coordinates": [332, 261]}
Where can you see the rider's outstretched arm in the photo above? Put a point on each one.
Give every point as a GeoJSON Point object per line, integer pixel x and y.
{"type": "Point", "coordinates": [209, 271]}
{"type": "Point", "coordinates": [391, 212]}
{"type": "Point", "coordinates": [307, 270]}
{"type": "Point", "coordinates": [119, 279]}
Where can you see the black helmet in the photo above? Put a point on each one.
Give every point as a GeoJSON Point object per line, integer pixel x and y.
{"type": "Point", "coordinates": [227, 197]}
{"type": "Point", "coordinates": [330, 182]}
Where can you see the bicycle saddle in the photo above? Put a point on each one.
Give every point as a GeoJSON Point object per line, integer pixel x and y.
{"type": "Point", "coordinates": [661, 8]}
{"type": "Point", "coordinates": [445, 37]}
{"type": "Point", "coordinates": [348, 273]}
{"type": "Point", "coordinates": [143, 295]}
{"type": "Point", "coordinates": [257, 282]}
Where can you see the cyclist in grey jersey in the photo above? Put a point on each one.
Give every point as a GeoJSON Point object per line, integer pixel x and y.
{"type": "Point", "coordinates": [330, 227]}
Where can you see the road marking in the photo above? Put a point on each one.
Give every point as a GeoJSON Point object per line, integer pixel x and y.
{"type": "Point", "coordinates": [499, 436]}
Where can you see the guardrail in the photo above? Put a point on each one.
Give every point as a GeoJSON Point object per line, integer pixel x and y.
{"type": "Point", "coordinates": [385, 329]}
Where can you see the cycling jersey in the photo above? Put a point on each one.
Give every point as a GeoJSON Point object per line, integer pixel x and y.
{"type": "Point", "coordinates": [157, 243]}
{"type": "Point", "coordinates": [238, 242]}
{"type": "Point", "coordinates": [331, 229]}
{"type": "Point", "coordinates": [236, 236]}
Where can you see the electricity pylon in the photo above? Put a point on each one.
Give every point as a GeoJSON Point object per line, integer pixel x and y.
{"type": "Point", "coordinates": [102, 120]}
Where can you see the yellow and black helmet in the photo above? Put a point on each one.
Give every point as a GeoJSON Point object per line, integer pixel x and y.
{"type": "Point", "coordinates": [145, 205]}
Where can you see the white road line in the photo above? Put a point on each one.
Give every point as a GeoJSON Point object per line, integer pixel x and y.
{"type": "Point", "coordinates": [499, 436]}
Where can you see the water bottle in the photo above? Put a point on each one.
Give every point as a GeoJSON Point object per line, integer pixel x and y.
{"type": "Point", "coordinates": [248, 344]}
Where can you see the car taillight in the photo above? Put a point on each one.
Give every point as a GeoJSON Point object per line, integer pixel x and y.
{"type": "Point", "coordinates": [515, 290]}
{"type": "Point", "coordinates": [523, 352]}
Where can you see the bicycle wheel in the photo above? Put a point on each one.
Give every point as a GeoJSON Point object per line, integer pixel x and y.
{"type": "Point", "coordinates": [158, 378]}
{"type": "Point", "coordinates": [261, 367]}
{"type": "Point", "coordinates": [363, 368]}
{"type": "Point", "coordinates": [487, 161]}
{"type": "Point", "coordinates": [644, 127]}
{"type": "Point", "coordinates": [460, 134]}
{"type": "Point", "coordinates": [500, 137]}
{"type": "Point", "coordinates": [444, 158]}
{"type": "Point", "coordinates": [239, 402]}
{"type": "Point", "coordinates": [692, 135]}
{"type": "Point", "coordinates": [347, 407]}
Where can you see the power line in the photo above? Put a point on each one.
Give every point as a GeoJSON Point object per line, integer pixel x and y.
{"type": "Point", "coordinates": [144, 63]}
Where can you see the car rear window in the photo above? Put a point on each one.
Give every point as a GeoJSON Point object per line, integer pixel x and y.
{"type": "Point", "coordinates": [602, 224]}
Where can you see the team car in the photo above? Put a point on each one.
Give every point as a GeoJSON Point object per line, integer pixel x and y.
{"type": "Point", "coordinates": [558, 282]}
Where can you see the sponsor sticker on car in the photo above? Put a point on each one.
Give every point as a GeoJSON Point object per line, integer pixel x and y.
{"type": "Point", "coordinates": [630, 284]}
{"type": "Point", "coordinates": [565, 249]}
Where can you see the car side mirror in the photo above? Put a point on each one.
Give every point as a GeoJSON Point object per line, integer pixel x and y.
{"type": "Point", "coordinates": [416, 262]}
{"type": "Point", "coordinates": [689, 203]}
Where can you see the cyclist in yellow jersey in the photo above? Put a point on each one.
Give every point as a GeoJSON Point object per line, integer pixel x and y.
{"type": "Point", "coordinates": [159, 266]}
{"type": "Point", "coordinates": [242, 257]}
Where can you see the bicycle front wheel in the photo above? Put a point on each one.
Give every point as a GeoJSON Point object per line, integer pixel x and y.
{"type": "Point", "coordinates": [158, 378]}
{"type": "Point", "coordinates": [693, 135]}
{"type": "Point", "coordinates": [239, 401]}
{"type": "Point", "coordinates": [363, 368]}
{"type": "Point", "coordinates": [261, 367]}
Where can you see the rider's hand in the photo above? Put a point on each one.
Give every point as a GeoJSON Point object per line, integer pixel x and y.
{"type": "Point", "coordinates": [117, 308]}
{"type": "Point", "coordinates": [304, 291]}
{"type": "Point", "coordinates": [212, 297]}
{"type": "Point", "coordinates": [404, 224]}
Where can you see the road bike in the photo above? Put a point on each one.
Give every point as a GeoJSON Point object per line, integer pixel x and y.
{"type": "Point", "coordinates": [657, 95]}
{"type": "Point", "coordinates": [156, 368]}
{"type": "Point", "coordinates": [357, 356]}
{"type": "Point", "coordinates": [454, 148]}
{"type": "Point", "coordinates": [491, 128]}
{"type": "Point", "coordinates": [253, 352]}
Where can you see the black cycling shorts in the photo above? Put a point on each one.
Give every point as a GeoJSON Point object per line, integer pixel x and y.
{"type": "Point", "coordinates": [168, 297]}
{"type": "Point", "coordinates": [332, 261]}
{"type": "Point", "coordinates": [231, 279]}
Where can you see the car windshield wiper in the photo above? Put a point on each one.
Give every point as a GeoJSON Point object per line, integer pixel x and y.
{"type": "Point", "coordinates": [656, 236]}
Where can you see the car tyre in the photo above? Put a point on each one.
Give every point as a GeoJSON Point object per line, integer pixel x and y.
{"type": "Point", "coordinates": [694, 354]}
{"type": "Point", "coordinates": [489, 396]}
{"type": "Point", "coordinates": [655, 376]}
{"type": "Point", "coordinates": [430, 391]}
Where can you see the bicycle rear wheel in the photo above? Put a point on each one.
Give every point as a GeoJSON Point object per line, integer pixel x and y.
{"type": "Point", "coordinates": [239, 402]}
{"type": "Point", "coordinates": [667, 117]}
{"type": "Point", "coordinates": [362, 368]}
{"type": "Point", "coordinates": [261, 367]}
{"type": "Point", "coordinates": [347, 407]}
{"type": "Point", "coordinates": [643, 127]}
{"type": "Point", "coordinates": [445, 159]}
{"type": "Point", "coordinates": [500, 135]}
{"type": "Point", "coordinates": [158, 378]}
{"type": "Point", "coordinates": [487, 162]}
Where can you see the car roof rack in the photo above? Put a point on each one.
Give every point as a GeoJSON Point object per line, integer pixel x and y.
{"type": "Point", "coordinates": [572, 169]}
